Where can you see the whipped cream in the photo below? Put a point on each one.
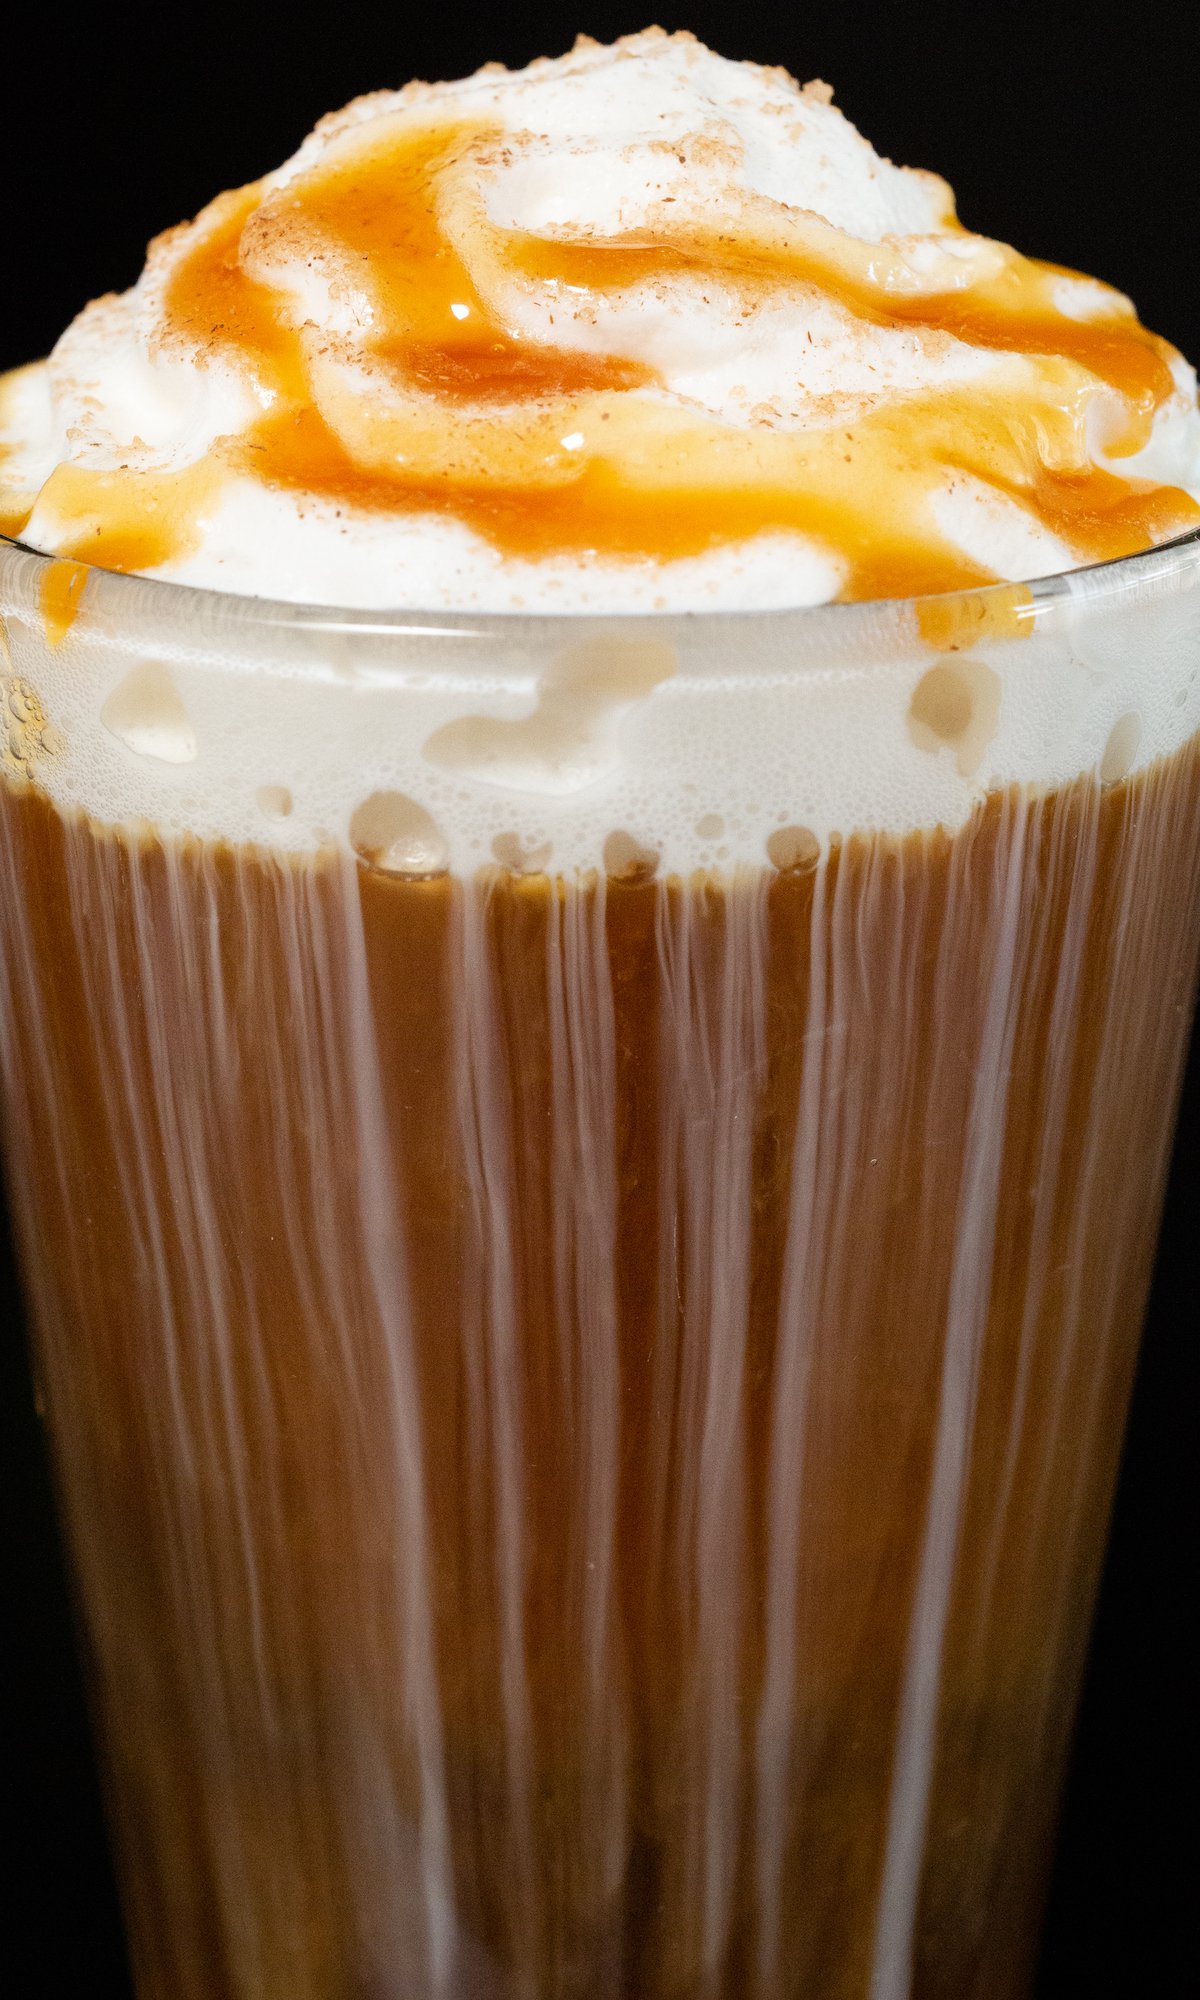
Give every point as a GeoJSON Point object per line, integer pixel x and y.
{"type": "Point", "coordinates": [636, 329]}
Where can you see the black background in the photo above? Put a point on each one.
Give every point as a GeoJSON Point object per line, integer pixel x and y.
{"type": "Point", "coordinates": [1078, 139]}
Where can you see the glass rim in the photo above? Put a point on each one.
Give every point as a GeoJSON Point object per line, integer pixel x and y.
{"type": "Point", "coordinates": [1152, 571]}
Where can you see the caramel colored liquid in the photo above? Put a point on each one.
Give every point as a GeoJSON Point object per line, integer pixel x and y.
{"type": "Point", "coordinates": [547, 450]}
{"type": "Point", "coordinates": [586, 1411]}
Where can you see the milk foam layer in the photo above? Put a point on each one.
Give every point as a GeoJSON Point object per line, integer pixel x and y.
{"type": "Point", "coordinates": [637, 329]}
{"type": "Point", "coordinates": [561, 744]}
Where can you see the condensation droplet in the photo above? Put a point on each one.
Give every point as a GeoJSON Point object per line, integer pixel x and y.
{"type": "Point", "coordinates": [794, 850]}
{"type": "Point", "coordinates": [521, 857]}
{"type": "Point", "coordinates": [627, 860]}
{"type": "Point", "coordinates": [146, 714]}
{"type": "Point", "coordinates": [956, 705]}
{"type": "Point", "coordinates": [1122, 747]}
{"type": "Point", "coordinates": [710, 826]}
{"type": "Point", "coordinates": [274, 800]}
{"type": "Point", "coordinates": [392, 832]}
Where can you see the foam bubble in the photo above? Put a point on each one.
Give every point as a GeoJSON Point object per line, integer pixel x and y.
{"type": "Point", "coordinates": [395, 834]}
{"type": "Point", "coordinates": [569, 739]}
{"type": "Point", "coordinates": [26, 737]}
{"type": "Point", "coordinates": [274, 800]}
{"type": "Point", "coordinates": [794, 850]}
{"type": "Point", "coordinates": [1121, 749]}
{"type": "Point", "coordinates": [521, 855]}
{"type": "Point", "coordinates": [956, 705]}
{"type": "Point", "coordinates": [626, 859]}
{"type": "Point", "coordinates": [145, 713]}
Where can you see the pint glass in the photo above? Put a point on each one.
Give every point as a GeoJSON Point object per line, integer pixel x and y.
{"type": "Point", "coordinates": [586, 1188]}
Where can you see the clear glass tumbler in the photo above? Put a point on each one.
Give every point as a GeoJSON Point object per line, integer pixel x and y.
{"type": "Point", "coordinates": [586, 1188]}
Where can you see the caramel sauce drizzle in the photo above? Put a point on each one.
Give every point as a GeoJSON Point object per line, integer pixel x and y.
{"type": "Point", "coordinates": [1008, 314]}
{"type": "Point", "coordinates": [548, 450]}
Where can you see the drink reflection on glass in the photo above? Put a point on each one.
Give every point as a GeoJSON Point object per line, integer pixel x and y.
{"type": "Point", "coordinates": [587, 1184]}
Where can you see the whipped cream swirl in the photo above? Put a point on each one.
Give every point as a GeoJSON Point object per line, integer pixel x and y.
{"type": "Point", "coordinates": [636, 329]}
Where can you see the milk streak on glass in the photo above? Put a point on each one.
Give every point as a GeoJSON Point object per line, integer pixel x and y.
{"type": "Point", "coordinates": [587, 1185]}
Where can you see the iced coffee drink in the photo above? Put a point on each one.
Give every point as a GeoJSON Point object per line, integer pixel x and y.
{"type": "Point", "coordinates": [599, 892]}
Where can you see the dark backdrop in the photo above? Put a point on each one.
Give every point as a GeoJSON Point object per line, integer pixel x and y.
{"type": "Point", "coordinates": [1079, 143]}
